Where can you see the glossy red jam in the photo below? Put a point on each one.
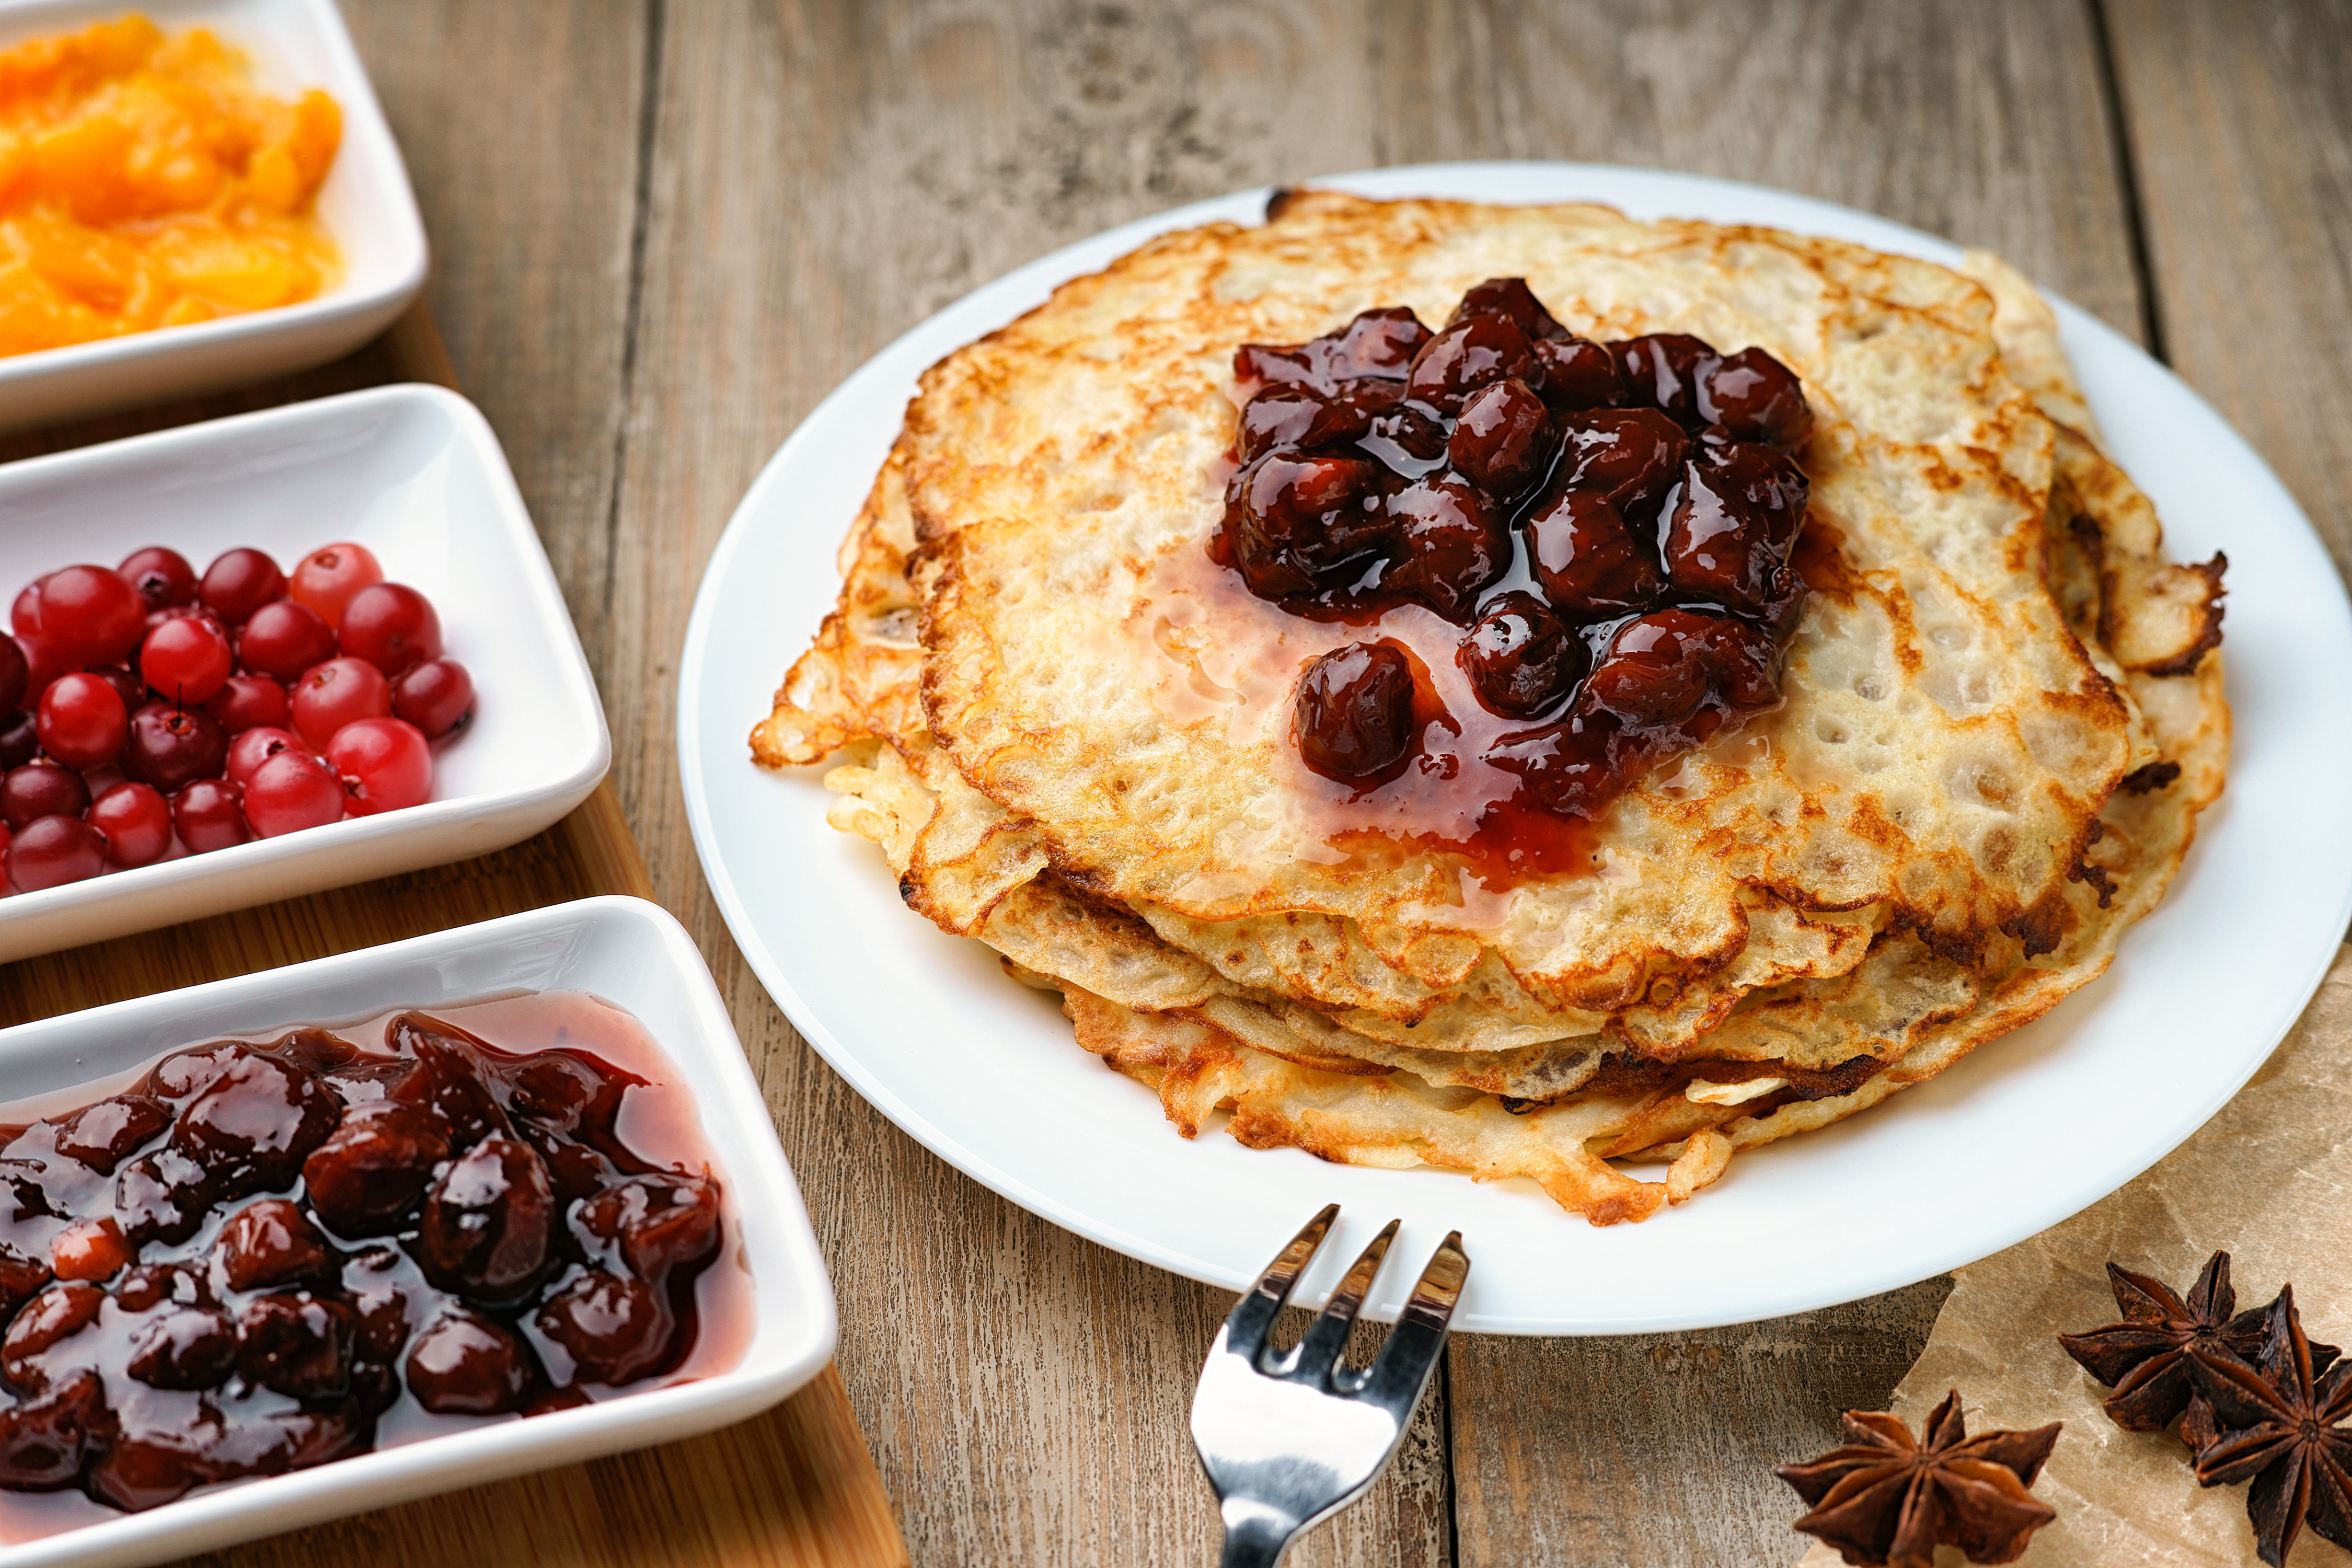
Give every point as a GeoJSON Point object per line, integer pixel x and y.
{"type": "Point", "coordinates": [1599, 534]}
{"type": "Point", "coordinates": [258, 1256]}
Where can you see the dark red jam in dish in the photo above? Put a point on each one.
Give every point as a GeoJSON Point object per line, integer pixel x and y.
{"type": "Point", "coordinates": [1607, 530]}
{"type": "Point", "coordinates": [254, 1257]}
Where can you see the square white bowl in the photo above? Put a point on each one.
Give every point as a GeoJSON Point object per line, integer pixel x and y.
{"type": "Point", "coordinates": [627, 951]}
{"type": "Point", "coordinates": [414, 474]}
{"type": "Point", "coordinates": [365, 204]}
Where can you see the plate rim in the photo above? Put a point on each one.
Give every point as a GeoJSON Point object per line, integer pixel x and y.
{"type": "Point", "coordinates": [1684, 192]}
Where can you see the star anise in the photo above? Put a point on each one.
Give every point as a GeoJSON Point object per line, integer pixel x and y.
{"type": "Point", "coordinates": [2279, 1422]}
{"type": "Point", "coordinates": [1884, 1499]}
{"type": "Point", "coordinates": [2145, 1358]}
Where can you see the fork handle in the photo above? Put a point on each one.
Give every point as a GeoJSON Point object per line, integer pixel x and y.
{"type": "Point", "coordinates": [1254, 1541]}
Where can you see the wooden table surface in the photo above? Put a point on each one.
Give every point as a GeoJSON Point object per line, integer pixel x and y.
{"type": "Point", "coordinates": [663, 229]}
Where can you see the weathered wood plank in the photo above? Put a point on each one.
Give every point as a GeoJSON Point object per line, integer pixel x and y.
{"type": "Point", "coordinates": [2237, 114]}
{"type": "Point", "coordinates": [824, 176]}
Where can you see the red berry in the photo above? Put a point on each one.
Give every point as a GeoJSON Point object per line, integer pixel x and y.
{"type": "Point", "coordinates": [51, 851]}
{"type": "Point", "coordinates": [437, 697]}
{"type": "Point", "coordinates": [170, 746]}
{"type": "Point", "coordinates": [210, 815]}
{"type": "Point", "coordinates": [20, 739]}
{"type": "Point", "coordinates": [335, 694]}
{"type": "Point", "coordinates": [187, 659]}
{"type": "Point", "coordinates": [391, 626]}
{"type": "Point", "coordinates": [15, 674]}
{"type": "Point", "coordinates": [44, 662]}
{"type": "Point", "coordinates": [247, 701]}
{"type": "Point", "coordinates": [94, 616]}
{"type": "Point", "coordinates": [256, 746]}
{"type": "Point", "coordinates": [126, 683]}
{"type": "Point", "coordinates": [283, 638]}
{"type": "Point", "coordinates": [384, 764]}
{"type": "Point", "coordinates": [164, 577]}
{"type": "Point", "coordinates": [330, 575]}
{"type": "Point", "coordinates": [25, 614]}
{"type": "Point", "coordinates": [237, 583]}
{"type": "Point", "coordinates": [41, 789]}
{"type": "Point", "coordinates": [291, 791]}
{"type": "Point", "coordinates": [136, 821]}
{"type": "Point", "coordinates": [82, 720]}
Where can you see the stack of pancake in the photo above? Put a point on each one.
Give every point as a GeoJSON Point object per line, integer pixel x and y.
{"type": "Point", "coordinates": [2001, 714]}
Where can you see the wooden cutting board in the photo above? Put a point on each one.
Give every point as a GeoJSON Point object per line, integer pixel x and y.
{"type": "Point", "coordinates": [793, 1489]}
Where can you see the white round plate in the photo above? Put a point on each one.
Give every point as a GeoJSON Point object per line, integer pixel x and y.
{"type": "Point", "coordinates": [2010, 1141]}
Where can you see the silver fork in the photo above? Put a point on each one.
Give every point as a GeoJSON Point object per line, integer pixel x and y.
{"type": "Point", "coordinates": [1290, 1440]}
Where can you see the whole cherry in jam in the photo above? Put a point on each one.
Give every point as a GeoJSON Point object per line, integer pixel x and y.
{"type": "Point", "coordinates": [1660, 666]}
{"type": "Point", "coordinates": [1297, 522]}
{"type": "Point", "coordinates": [1756, 398]}
{"type": "Point", "coordinates": [1521, 658]}
{"type": "Point", "coordinates": [1511, 299]}
{"type": "Point", "coordinates": [1591, 564]}
{"type": "Point", "coordinates": [1731, 532]}
{"type": "Point", "coordinates": [1469, 355]}
{"type": "Point", "coordinates": [1632, 456]}
{"type": "Point", "coordinates": [1377, 343]}
{"type": "Point", "coordinates": [1663, 370]}
{"type": "Point", "coordinates": [1353, 717]}
{"type": "Point", "coordinates": [1503, 441]}
{"type": "Point", "coordinates": [1452, 544]}
{"type": "Point", "coordinates": [1578, 373]}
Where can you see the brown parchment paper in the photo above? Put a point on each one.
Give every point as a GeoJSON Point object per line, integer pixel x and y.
{"type": "Point", "coordinates": [2269, 1180]}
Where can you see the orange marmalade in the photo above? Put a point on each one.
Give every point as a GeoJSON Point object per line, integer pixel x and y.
{"type": "Point", "coordinates": [144, 183]}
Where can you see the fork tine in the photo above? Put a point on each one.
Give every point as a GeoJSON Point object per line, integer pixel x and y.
{"type": "Point", "coordinates": [1327, 1336]}
{"type": "Point", "coordinates": [1254, 1314]}
{"type": "Point", "coordinates": [1405, 1363]}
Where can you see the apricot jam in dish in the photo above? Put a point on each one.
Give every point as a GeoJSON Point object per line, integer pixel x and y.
{"type": "Point", "coordinates": [1605, 530]}
{"type": "Point", "coordinates": [144, 183]}
{"type": "Point", "coordinates": [256, 1256]}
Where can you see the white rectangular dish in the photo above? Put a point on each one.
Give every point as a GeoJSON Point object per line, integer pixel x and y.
{"type": "Point", "coordinates": [414, 474]}
{"type": "Point", "coordinates": [625, 951]}
{"type": "Point", "coordinates": [366, 205]}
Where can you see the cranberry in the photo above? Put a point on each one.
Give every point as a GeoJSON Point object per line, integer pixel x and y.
{"type": "Point", "coordinates": [41, 789]}
{"type": "Point", "coordinates": [1504, 441]}
{"type": "Point", "coordinates": [44, 660]}
{"type": "Point", "coordinates": [82, 720]}
{"type": "Point", "coordinates": [270, 1242]}
{"type": "Point", "coordinates": [437, 697]}
{"type": "Point", "coordinates": [1469, 355]}
{"type": "Point", "coordinates": [466, 1364]}
{"type": "Point", "coordinates": [1732, 529]}
{"type": "Point", "coordinates": [45, 1442]}
{"type": "Point", "coordinates": [1660, 668]}
{"type": "Point", "coordinates": [654, 1223]}
{"type": "Point", "coordinates": [103, 1134]}
{"type": "Point", "coordinates": [91, 614]}
{"type": "Point", "coordinates": [1591, 564]}
{"type": "Point", "coordinates": [1756, 398]}
{"type": "Point", "coordinates": [136, 822]}
{"type": "Point", "coordinates": [255, 1123]}
{"type": "Point", "coordinates": [184, 1348]}
{"type": "Point", "coordinates": [20, 739]}
{"type": "Point", "coordinates": [255, 747]}
{"type": "Point", "coordinates": [1298, 523]}
{"type": "Point", "coordinates": [384, 765]}
{"type": "Point", "coordinates": [239, 583]}
{"type": "Point", "coordinates": [1663, 370]}
{"type": "Point", "coordinates": [15, 674]}
{"type": "Point", "coordinates": [169, 747]}
{"type": "Point", "coordinates": [1578, 373]}
{"type": "Point", "coordinates": [187, 659]}
{"type": "Point", "coordinates": [283, 638]}
{"type": "Point", "coordinates": [210, 815]}
{"type": "Point", "coordinates": [1354, 717]}
{"type": "Point", "coordinates": [485, 1230]}
{"type": "Point", "coordinates": [161, 1196]}
{"type": "Point", "coordinates": [50, 851]}
{"type": "Point", "coordinates": [92, 1249]}
{"type": "Point", "coordinates": [335, 693]}
{"type": "Point", "coordinates": [369, 1175]}
{"type": "Point", "coordinates": [1632, 456]}
{"type": "Point", "coordinates": [25, 611]}
{"type": "Point", "coordinates": [1452, 544]}
{"type": "Point", "coordinates": [615, 1330]}
{"type": "Point", "coordinates": [1521, 658]}
{"type": "Point", "coordinates": [249, 702]}
{"type": "Point", "coordinates": [1514, 301]}
{"type": "Point", "coordinates": [1574, 767]}
{"type": "Point", "coordinates": [164, 577]}
{"type": "Point", "coordinates": [296, 1343]}
{"type": "Point", "coordinates": [290, 792]}
{"type": "Point", "coordinates": [1376, 343]}
{"type": "Point", "coordinates": [326, 579]}
{"type": "Point", "coordinates": [391, 626]}
{"type": "Point", "coordinates": [42, 1324]}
